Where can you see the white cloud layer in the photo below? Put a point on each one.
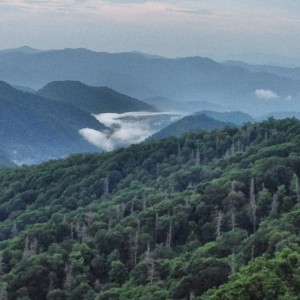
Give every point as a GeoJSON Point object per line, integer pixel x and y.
{"type": "Point", "coordinates": [266, 94]}
{"type": "Point", "coordinates": [128, 128]}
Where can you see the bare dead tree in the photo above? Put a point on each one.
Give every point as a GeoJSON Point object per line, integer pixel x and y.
{"type": "Point", "coordinates": [275, 204]}
{"type": "Point", "coordinates": [252, 252]}
{"type": "Point", "coordinates": [1, 265]}
{"type": "Point", "coordinates": [151, 273]}
{"type": "Point", "coordinates": [156, 227]}
{"type": "Point", "coordinates": [197, 157]}
{"type": "Point", "coordinates": [178, 148]}
{"type": "Point", "coordinates": [297, 190]}
{"type": "Point", "coordinates": [30, 248]}
{"type": "Point", "coordinates": [69, 280]}
{"type": "Point", "coordinates": [169, 234]}
{"type": "Point", "coordinates": [219, 224]}
{"type": "Point", "coordinates": [233, 220]}
{"type": "Point", "coordinates": [14, 230]}
{"type": "Point", "coordinates": [3, 293]}
{"type": "Point", "coordinates": [252, 205]}
{"type": "Point", "coordinates": [106, 185]}
{"type": "Point", "coordinates": [233, 262]}
{"type": "Point", "coordinates": [90, 218]}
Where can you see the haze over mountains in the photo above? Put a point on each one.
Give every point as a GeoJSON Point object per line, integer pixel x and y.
{"type": "Point", "coordinates": [293, 73]}
{"type": "Point", "coordinates": [88, 101]}
{"type": "Point", "coordinates": [139, 76]}
{"type": "Point", "coordinates": [34, 129]}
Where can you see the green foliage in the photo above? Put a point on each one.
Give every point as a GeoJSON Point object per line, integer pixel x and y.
{"type": "Point", "coordinates": [157, 220]}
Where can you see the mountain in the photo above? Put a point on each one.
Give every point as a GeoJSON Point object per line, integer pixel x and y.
{"type": "Point", "coordinates": [152, 222]}
{"type": "Point", "coordinates": [188, 124]}
{"type": "Point", "coordinates": [34, 129]}
{"type": "Point", "coordinates": [147, 55]}
{"type": "Point", "coordinates": [23, 50]}
{"type": "Point", "coordinates": [293, 73]}
{"type": "Point", "coordinates": [182, 79]}
{"type": "Point", "coordinates": [235, 117]}
{"type": "Point", "coordinates": [25, 89]}
{"type": "Point", "coordinates": [165, 104]}
{"type": "Point", "coordinates": [94, 100]}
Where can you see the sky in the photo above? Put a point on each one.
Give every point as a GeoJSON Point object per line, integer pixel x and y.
{"type": "Point", "coordinates": [220, 29]}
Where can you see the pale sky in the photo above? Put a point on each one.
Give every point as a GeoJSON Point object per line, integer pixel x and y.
{"type": "Point", "coordinates": [214, 28]}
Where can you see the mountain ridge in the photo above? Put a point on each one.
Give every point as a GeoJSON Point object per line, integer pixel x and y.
{"type": "Point", "coordinates": [183, 79]}
{"type": "Point", "coordinates": [92, 99]}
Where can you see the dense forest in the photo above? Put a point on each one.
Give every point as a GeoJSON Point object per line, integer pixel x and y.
{"type": "Point", "coordinates": [205, 216]}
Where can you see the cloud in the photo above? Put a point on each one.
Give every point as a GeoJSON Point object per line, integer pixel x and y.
{"type": "Point", "coordinates": [97, 138]}
{"type": "Point", "coordinates": [128, 128]}
{"type": "Point", "coordinates": [266, 94]}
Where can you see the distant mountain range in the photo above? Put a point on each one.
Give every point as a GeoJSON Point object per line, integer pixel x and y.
{"type": "Point", "coordinates": [23, 50]}
{"type": "Point", "coordinates": [94, 100]}
{"type": "Point", "coordinates": [293, 73]}
{"type": "Point", "coordinates": [235, 117]}
{"type": "Point", "coordinates": [190, 123]}
{"type": "Point", "coordinates": [33, 129]}
{"type": "Point", "coordinates": [136, 75]}
{"type": "Point", "coordinates": [165, 104]}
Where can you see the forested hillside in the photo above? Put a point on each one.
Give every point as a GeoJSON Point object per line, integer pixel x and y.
{"type": "Point", "coordinates": [204, 216]}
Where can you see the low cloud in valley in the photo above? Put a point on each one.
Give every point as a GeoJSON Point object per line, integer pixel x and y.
{"type": "Point", "coordinates": [127, 128]}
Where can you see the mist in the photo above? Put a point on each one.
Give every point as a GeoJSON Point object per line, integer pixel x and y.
{"type": "Point", "coordinates": [126, 128]}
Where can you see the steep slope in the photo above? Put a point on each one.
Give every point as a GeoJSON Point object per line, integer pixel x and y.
{"type": "Point", "coordinates": [171, 219]}
{"type": "Point", "coordinates": [94, 100]}
{"type": "Point", "coordinates": [183, 79]}
{"type": "Point", "coordinates": [34, 129]}
{"type": "Point", "coordinates": [188, 124]}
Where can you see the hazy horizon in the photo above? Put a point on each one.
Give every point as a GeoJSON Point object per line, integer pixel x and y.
{"type": "Point", "coordinates": [260, 32]}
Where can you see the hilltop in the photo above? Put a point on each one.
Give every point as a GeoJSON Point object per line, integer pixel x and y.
{"type": "Point", "coordinates": [94, 100]}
